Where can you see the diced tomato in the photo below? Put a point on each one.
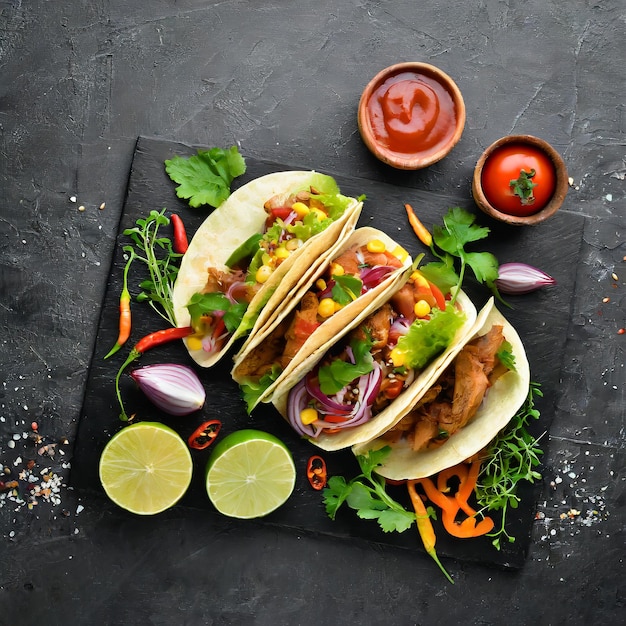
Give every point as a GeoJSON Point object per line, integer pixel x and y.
{"type": "Point", "coordinates": [438, 295]}
{"type": "Point", "coordinates": [304, 328]}
{"type": "Point", "coordinates": [278, 212]}
{"type": "Point", "coordinates": [393, 389]}
{"type": "Point", "coordinates": [335, 419]}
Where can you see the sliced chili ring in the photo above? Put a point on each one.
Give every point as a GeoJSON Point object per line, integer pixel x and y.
{"type": "Point", "coordinates": [316, 472]}
{"type": "Point", "coordinates": [204, 435]}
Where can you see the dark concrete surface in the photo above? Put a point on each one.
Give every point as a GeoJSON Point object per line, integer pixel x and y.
{"type": "Point", "coordinates": [80, 81]}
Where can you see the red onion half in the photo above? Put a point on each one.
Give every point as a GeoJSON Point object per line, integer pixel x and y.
{"type": "Point", "coordinates": [175, 389]}
{"type": "Point", "coordinates": [520, 278]}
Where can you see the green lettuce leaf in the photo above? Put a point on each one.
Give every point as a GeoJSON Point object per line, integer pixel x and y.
{"type": "Point", "coordinates": [427, 339]}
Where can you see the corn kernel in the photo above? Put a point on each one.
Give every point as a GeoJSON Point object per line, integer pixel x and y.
{"type": "Point", "coordinates": [318, 213]}
{"type": "Point", "coordinates": [398, 357]}
{"type": "Point", "coordinates": [336, 269]}
{"type": "Point", "coordinates": [281, 253]}
{"type": "Point", "coordinates": [321, 284]}
{"type": "Point", "coordinates": [326, 307]}
{"type": "Point", "coordinates": [300, 208]}
{"type": "Point", "coordinates": [419, 279]}
{"type": "Point", "coordinates": [421, 308]}
{"type": "Point", "coordinates": [376, 246]}
{"type": "Point", "coordinates": [338, 306]}
{"type": "Point", "coordinates": [400, 253]}
{"type": "Point", "coordinates": [308, 416]}
{"type": "Point", "coordinates": [194, 342]}
{"type": "Point", "coordinates": [263, 273]}
{"type": "Point", "coordinates": [293, 244]}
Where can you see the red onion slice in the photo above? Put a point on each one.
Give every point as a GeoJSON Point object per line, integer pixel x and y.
{"type": "Point", "coordinates": [373, 276]}
{"type": "Point", "coordinates": [355, 414]}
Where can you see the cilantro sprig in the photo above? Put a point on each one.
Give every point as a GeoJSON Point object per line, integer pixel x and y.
{"type": "Point", "coordinates": [339, 373]}
{"type": "Point", "coordinates": [205, 178]}
{"type": "Point", "coordinates": [201, 304]}
{"type": "Point", "coordinates": [449, 243]}
{"type": "Point", "coordinates": [366, 494]}
{"type": "Point", "coordinates": [512, 457]}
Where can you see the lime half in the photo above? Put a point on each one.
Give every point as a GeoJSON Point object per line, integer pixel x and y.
{"type": "Point", "coordinates": [249, 474]}
{"type": "Point", "coordinates": [145, 468]}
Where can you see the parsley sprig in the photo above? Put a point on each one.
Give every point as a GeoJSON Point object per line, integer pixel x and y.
{"type": "Point", "coordinates": [205, 178]}
{"type": "Point", "coordinates": [157, 253]}
{"type": "Point", "coordinates": [449, 243]}
{"type": "Point", "coordinates": [512, 457]}
{"type": "Point", "coordinates": [366, 494]}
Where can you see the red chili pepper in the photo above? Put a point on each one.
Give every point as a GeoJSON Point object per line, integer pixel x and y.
{"type": "Point", "coordinates": [180, 235]}
{"type": "Point", "coordinates": [146, 343]}
{"type": "Point", "coordinates": [162, 336]}
{"type": "Point", "coordinates": [125, 317]}
{"type": "Point", "coordinates": [316, 472]}
{"type": "Point", "coordinates": [204, 435]}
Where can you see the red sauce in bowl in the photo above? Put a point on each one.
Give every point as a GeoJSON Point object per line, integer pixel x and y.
{"type": "Point", "coordinates": [411, 112]}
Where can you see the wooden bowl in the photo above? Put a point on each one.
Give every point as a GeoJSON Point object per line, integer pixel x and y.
{"type": "Point", "coordinates": [416, 150]}
{"type": "Point", "coordinates": [560, 188]}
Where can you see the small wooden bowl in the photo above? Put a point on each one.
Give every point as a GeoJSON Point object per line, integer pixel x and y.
{"type": "Point", "coordinates": [419, 158]}
{"type": "Point", "coordinates": [560, 188]}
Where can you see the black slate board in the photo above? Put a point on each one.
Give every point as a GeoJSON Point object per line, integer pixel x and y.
{"type": "Point", "coordinates": [540, 318]}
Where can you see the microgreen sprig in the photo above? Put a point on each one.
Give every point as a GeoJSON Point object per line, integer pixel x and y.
{"type": "Point", "coordinates": [159, 256]}
{"type": "Point", "coordinates": [512, 457]}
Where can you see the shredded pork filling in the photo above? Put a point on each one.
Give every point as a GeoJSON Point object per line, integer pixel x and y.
{"type": "Point", "coordinates": [454, 399]}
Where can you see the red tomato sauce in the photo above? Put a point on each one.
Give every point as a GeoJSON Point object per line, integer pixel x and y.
{"type": "Point", "coordinates": [412, 112]}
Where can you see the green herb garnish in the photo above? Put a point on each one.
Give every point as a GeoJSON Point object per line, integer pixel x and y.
{"type": "Point", "coordinates": [459, 230]}
{"type": "Point", "coordinates": [346, 288]}
{"type": "Point", "coordinates": [511, 458]}
{"type": "Point", "coordinates": [205, 178]}
{"type": "Point", "coordinates": [207, 303]}
{"type": "Point", "coordinates": [366, 494]}
{"type": "Point", "coordinates": [334, 377]}
{"type": "Point", "coordinates": [158, 255]}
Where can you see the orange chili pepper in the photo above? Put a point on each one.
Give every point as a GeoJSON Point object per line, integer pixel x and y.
{"type": "Point", "coordinates": [425, 527]}
{"type": "Point", "coordinates": [451, 504]}
{"type": "Point", "coordinates": [125, 317]}
{"type": "Point", "coordinates": [316, 472]}
{"type": "Point", "coordinates": [423, 234]}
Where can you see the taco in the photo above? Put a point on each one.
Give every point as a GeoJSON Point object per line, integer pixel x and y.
{"type": "Point", "coordinates": [362, 271]}
{"type": "Point", "coordinates": [351, 390]}
{"type": "Point", "coordinates": [251, 252]}
{"type": "Point", "coordinates": [477, 391]}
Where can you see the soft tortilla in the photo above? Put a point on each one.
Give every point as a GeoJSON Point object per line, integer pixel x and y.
{"type": "Point", "coordinates": [388, 416]}
{"type": "Point", "coordinates": [349, 315]}
{"type": "Point", "coordinates": [235, 221]}
{"type": "Point", "coordinates": [499, 406]}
